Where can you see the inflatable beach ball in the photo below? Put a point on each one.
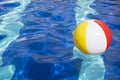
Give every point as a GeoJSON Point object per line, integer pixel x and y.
{"type": "Point", "coordinates": [92, 37]}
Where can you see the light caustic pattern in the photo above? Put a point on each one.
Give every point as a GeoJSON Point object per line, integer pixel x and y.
{"type": "Point", "coordinates": [92, 67]}
{"type": "Point", "coordinates": [10, 27]}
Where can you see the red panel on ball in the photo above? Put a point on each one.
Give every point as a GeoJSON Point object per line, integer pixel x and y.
{"type": "Point", "coordinates": [106, 30]}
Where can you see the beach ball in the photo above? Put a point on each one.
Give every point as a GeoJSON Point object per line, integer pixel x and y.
{"type": "Point", "coordinates": [92, 37]}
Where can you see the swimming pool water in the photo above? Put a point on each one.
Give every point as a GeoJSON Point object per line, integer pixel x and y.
{"type": "Point", "coordinates": [40, 45]}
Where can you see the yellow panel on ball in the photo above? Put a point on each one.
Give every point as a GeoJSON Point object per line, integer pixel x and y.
{"type": "Point", "coordinates": [80, 37]}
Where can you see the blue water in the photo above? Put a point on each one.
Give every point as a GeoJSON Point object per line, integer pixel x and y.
{"type": "Point", "coordinates": [40, 46]}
